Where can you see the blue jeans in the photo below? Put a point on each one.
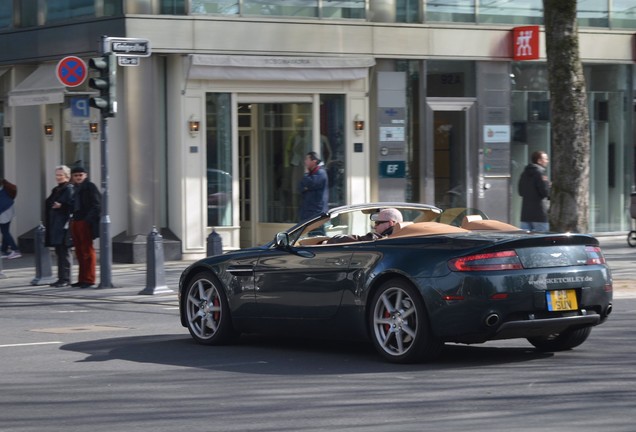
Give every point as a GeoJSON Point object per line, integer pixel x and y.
{"type": "Point", "coordinates": [7, 238]}
{"type": "Point", "coordinates": [536, 226]}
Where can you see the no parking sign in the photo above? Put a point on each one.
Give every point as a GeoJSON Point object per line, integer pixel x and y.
{"type": "Point", "coordinates": [71, 71]}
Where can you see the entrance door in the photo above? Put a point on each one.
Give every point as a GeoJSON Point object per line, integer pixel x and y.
{"type": "Point", "coordinates": [453, 165]}
{"type": "Point", "coordinates": [275, 132]}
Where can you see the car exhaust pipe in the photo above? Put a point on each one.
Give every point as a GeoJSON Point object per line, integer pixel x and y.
{"type": "Point", "coordinates": [608, 310]}
{"type": "Point", "coordinates": [492, 320]}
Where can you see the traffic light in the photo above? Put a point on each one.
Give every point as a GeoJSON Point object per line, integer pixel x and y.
{"type": "Point", "coordinates": [106, 83]}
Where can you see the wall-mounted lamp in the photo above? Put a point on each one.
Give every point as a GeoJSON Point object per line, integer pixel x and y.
{"type": "Point", "coordinates": [7, 133]}
{"type": "Point", "coordinates": [48, 129]}
{"type": "Point", "coordinates": [194, 126]}
{"type": "Point", "coordinates": [358, 125]}
{"type": "Point", "coordinates": [93, 127]}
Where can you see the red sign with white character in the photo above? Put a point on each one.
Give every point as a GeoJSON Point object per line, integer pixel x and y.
{"type": "Point", "coordinates": [525, 43]}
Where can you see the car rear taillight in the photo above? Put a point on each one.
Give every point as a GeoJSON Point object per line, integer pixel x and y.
{"type": "Point", "coordinates": [594, 255]}
{"type": "Point", "coordinates": [505, 260]}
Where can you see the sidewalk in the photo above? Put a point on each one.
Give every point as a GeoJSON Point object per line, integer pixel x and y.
{"type": "Point", "coordinates": [130, 279]}
{"type": "Point", "coordinates": [127, 279]}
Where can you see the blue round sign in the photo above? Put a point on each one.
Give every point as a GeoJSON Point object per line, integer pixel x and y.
{"type": "Point", "coordinates": [71, 71]}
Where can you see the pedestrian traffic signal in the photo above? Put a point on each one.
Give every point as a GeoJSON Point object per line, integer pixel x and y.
{"type": "Point", "coordinates": [106, 83]}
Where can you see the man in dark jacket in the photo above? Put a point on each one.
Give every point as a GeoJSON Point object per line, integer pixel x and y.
{"type": "Point", "coordinates": [534, 188]}
{"type": "Point", "coordinates": [314, 189]}
{"type": "Point", "coordinates": [85, 226]}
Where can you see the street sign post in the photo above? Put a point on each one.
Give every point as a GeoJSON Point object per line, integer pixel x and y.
{"type": "Point", "coordinates": [71, 71]}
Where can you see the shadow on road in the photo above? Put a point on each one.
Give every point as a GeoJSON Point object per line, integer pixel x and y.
{"type": "Point", "coordinates": [263, 355]}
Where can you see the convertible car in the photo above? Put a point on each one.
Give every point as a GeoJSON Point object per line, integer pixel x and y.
{"type": "Point", "coordinates": [450, 276]}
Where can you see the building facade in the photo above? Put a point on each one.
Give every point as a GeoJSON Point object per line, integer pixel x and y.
{"type": "Point", "coordinates": [422, 101]}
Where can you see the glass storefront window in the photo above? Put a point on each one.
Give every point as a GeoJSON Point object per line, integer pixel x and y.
{"type": "Point", "coordinates": [76, 134]}
{"type": "Point", "coordinates": [511, 11]}
{"type": "Point", "coordinates": [284, 139]}
{"type": "Point", "coordinates": [332, 146]}
{"type": "Point", "coordinates": [611, 149]}
{"type": "Point", "coordinates": [450, 10]}
{"type": "Point", "coordinates": [219, 158]}
{"type": "Point", "coordinates": [623, 14]}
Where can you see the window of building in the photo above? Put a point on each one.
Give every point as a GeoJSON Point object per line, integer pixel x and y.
{"type": "Point", "coordinates": [511, 11]}
{"type": "Point", "coordinates": [219, 158]}
{"type": "Point", "coordinates": [65, 9]}
{"type": "Point", "coordinates": [450, 10]}
{"type": "Point", "coordinates": [623, 14]}
{"type": "Point", "coordinates": [353, 9]}
{"type": "Point", "coordinates": [307, 8]}
{"type": "Point", "coordinates": [173, 7]}
{"type": "Point", "coordinates": [407, 11]}
{"type": "Point", "coordinates": [593, 13]}
{"type": "Point", "coordinates": [332, 146]}
{"type": "Point", "coordinates": [225, 7]}
{"type": "Point", "coordinates": [28, 13]}
{"type": "Point", "coordinates": [6, 14]}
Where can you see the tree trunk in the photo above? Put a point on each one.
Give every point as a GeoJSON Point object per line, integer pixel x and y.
{"type": "Point", "coordinates": [569, 197]}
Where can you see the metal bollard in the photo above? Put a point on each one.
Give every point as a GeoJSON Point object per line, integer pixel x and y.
{"type": "Point", "coordinates": [214, 244]}
{"type": "Point", "coordinates": [43, 271]}
{"type": "Point", "coordinates": [155, 275]}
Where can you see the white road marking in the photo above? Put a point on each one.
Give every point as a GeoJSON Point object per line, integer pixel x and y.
{"type": "Point", "coordinates": [29, 344]}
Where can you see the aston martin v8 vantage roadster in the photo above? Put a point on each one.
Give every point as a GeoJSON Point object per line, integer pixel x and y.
{"type": "Point", "coordinates": [450, 276]}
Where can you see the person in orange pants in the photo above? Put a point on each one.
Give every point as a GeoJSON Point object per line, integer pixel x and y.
{"type": "Point", "coordinates": [85, 225]}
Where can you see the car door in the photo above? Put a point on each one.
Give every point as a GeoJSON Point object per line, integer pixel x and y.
{"type": "Point", "coordinates": [302, 282]}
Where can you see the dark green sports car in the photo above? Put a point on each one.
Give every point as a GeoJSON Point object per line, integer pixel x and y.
{"type": "Point", "coordinates": [439, 276]}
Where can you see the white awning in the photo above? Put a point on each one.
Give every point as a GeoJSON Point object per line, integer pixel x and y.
{"type": "Point", "coordinates": [267, 68]}
{"type": "Point", "coordinates": [41, 87]}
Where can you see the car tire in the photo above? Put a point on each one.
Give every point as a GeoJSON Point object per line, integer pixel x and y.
{"type": "Point", "coordinates": [207, 312]}
{"type": "Point", "coordinates": [398, 324]}
{"type": "Point", "coordinates": [631, 238]}
{"type": "Point", "coordinates": [561, 341]}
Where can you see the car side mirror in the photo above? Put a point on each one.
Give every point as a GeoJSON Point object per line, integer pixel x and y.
{"type": "Point", "coordinates": [282, 240]}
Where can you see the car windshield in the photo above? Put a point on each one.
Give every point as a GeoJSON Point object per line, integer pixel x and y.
{"type": "Point", "coordinates": [358, 222]}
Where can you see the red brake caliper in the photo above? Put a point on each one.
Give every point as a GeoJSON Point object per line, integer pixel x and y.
{"type": "Point", "coordinates": [216, 314]}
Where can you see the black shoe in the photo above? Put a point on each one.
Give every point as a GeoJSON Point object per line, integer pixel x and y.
{"type": "Point", "coordinates": [60, 284]}
{"type": "Point", "coordinates": [86, 285]}
{"type": "Point", "coordinates": [77, 285]}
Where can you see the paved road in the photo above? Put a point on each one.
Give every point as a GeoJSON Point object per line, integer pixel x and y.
{"type": "Point", "coordinates": [113, 360]}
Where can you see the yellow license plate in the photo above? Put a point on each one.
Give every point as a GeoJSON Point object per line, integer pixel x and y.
{"type": "Point", "coordinates": [562, 300]}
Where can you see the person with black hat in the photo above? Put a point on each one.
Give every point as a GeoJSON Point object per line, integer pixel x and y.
{"type": "Point", "coordinates": [85, 226]}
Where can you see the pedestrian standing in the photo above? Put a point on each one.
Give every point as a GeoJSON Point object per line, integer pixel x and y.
{"type": "Point", "coordinates": [8, 192]}
{"type": "Point", "coordinates": [58, 208]}
{"type": "Point", "coordinates": [534, 188]}
{"type": "Point", "coordinates": [85, 225]}
{"type": "Point", "coordinates": [314, 188]}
